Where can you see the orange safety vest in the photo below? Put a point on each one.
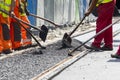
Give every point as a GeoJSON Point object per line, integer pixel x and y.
{"type": "Point", "coordinates": [5, 5]}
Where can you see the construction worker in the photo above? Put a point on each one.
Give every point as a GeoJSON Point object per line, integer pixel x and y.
{"type": "Point", "coordinates": [5, 45]}
{"type": "Point", "coordinates": [26, 38]}
{"type": "Point", "coordinates": [105, 11]}
{"type": "Point", "coordinates": [15, 29]}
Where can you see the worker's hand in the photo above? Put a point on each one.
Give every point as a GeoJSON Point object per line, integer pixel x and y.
{"type": "Point", "coordinates": [27, 12]}
{"type": "Point", "coordinates": [12, 13]}
{"type": "Point", "coordinates": [87, 13]}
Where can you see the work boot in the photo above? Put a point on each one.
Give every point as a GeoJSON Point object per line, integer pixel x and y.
{"type": "Point", "coordinates": [19, 48]}
{"type": "Point", "coordinates": [93, 48]}
{"type": "Point", "coordinates": [106, 48]}
{"type": "Point", "coordinates": [115, 56]}
{"type": "Point", "coordinates": [8, 51]}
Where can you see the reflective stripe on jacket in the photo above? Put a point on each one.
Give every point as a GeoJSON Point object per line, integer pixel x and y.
{"type": "Point", "coordinates": [1, 4]}
{"type": "Point", "coordinates": [103, 1]}
{"type": "Point", "coordinates": [23, 8]}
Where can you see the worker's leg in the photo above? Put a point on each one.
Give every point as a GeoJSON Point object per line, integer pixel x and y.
{"type": "Point", "coordinates": [105, 12]}
{"type": "Point", "coordinates": [26, 38]}
{"type": "Point", "coordinates": [1, 44]}
{"type": "Point", "coordinates": [100, 24]}
{"type": "Point", "coordinates": [108, 33]}
{"type": "Point", "coordinates": [7, 45]}
{"type": "Point", "coordinates": [15, 34]}
{"type": "Point", "coordinates": [1, 37]}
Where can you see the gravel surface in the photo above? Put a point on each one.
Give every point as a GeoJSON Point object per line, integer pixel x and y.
{"type": "Point", "coordinates": [29, 64]}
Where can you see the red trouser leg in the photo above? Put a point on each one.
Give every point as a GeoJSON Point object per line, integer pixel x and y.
{"type": "Point", "coordinates": [108, 33]}
{"type": "Point", "coordinates": [105, 12]}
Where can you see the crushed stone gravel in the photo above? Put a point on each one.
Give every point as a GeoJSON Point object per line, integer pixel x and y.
{"type": "Point", "coordinates": [29, 64]}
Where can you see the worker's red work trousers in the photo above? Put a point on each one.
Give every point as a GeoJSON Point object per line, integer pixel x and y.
{"type": "Point", "coordinates": [105, 12]}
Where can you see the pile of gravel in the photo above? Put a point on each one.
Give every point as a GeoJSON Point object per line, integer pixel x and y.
{"type": "Point", "coordinates": [29, 64]}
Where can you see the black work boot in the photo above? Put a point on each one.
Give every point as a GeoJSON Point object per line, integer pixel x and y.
{"type": "Point", "coordinates": [8, 51]}
{"type": "Point", "coordinates": [115, 56]}
{"type": "Point", "coordinates": [106, 48]}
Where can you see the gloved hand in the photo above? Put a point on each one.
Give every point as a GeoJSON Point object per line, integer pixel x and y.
{"type": "Point", "coordinates": [12, 13]}
{"type": "Point", "coordinates": [87, 13]}
{"type": "Point", "coordinates": [27, 12]}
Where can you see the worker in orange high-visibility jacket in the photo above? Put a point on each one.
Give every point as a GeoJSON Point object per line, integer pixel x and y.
{"type": "Point", "coordinates": [105, 12]}
{"type": "Point", "coordinates": [26, 38]}
{"type": "Point", "coordinates": [6, 5]}
{"type": "Point", "coordinates": [15, 29]}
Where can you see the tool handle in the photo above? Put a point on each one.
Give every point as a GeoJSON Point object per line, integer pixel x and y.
{"type": "Point", "coordinates": [32, 36]}
{"type": "Point", "coordinates": [77, 26]}
{"type": "Point", "coordinates": [44, 19]}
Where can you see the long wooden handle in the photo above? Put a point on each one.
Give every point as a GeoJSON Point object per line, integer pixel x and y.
{"type": "Point", "coordinates": [44, 19]}
{"type": "Point", "coordinates": [77, 26]}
